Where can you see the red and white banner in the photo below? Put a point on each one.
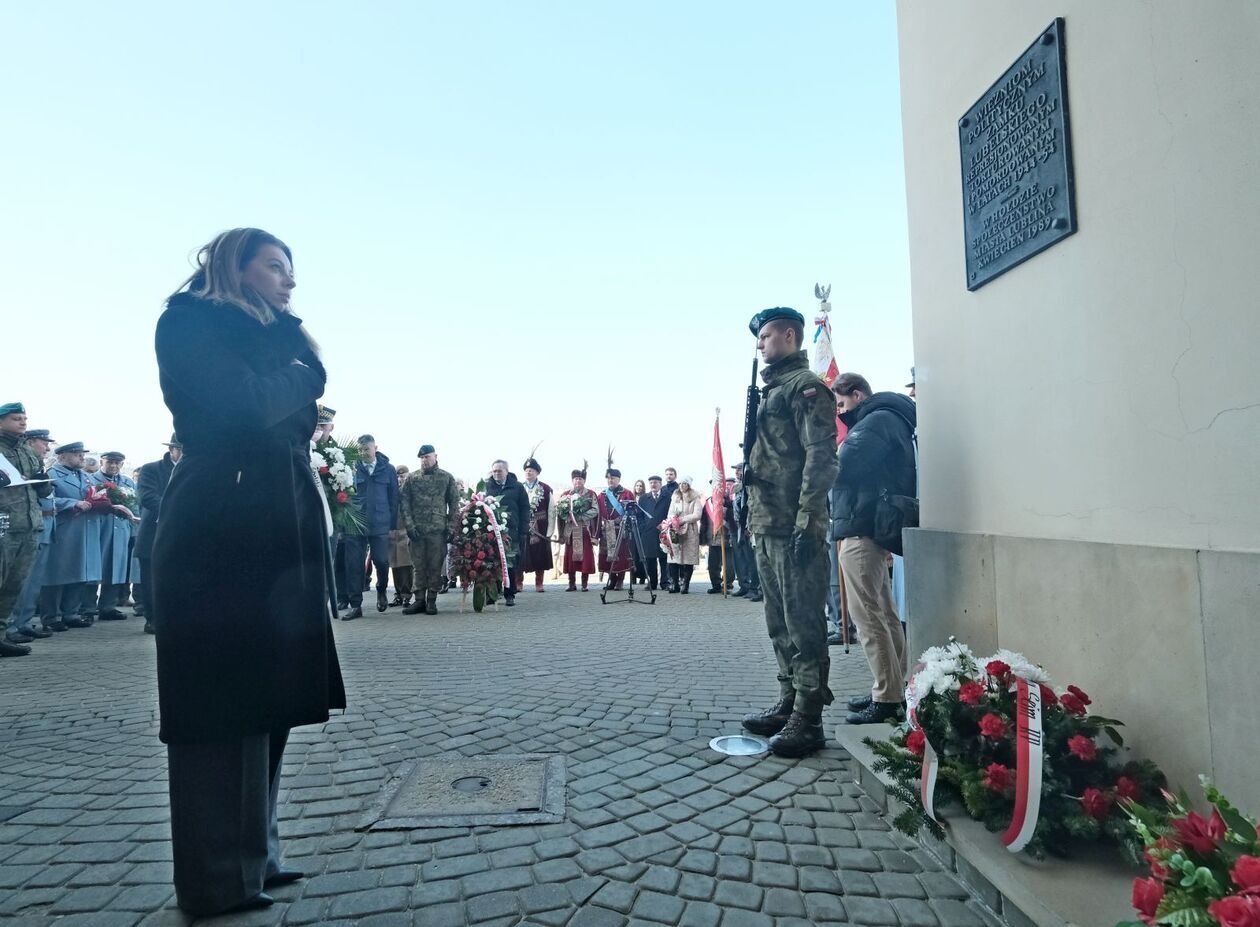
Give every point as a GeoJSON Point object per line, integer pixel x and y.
{"type": "Point", "coordinates": [825, 358]}
{"type": "Point", "coordinates": [927, 776]}
{"type": "Point", "coordinates": [716, 505]}
{"type": "Point", "coordinates": [1028, 766]}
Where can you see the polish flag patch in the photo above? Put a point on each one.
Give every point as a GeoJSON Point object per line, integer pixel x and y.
{"type": "Point", "coordinates": [809, 392]}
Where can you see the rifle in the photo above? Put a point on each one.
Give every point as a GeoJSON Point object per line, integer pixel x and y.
{"type": "Point", "coordinates": [750, 423]}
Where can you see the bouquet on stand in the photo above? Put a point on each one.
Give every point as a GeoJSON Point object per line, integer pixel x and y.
{"type": "Point", "coordinates": [993, 735]}
{"type": "Point", "coordinates": [481, 548]}
{"type": "Point", "coordinates": [334, 464]}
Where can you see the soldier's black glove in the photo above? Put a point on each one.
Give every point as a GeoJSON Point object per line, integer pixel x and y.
{"type": "Point", "coordinates": [413, 535]}
{"type": "Point", "coordinates": [4, 479]}
{"type": "Point", "coordinates": [804, 548]}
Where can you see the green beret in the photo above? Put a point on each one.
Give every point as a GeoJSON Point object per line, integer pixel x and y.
{"type": "Point", "coordinates": [426, 449]}
{"type": "Point", "coordinates": [769, 315]}
{"type": "Point", "coordinates": [12, 408]}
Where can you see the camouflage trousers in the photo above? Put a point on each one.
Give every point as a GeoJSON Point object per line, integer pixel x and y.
{"type": "Point", "coordinates": [427, 555]}
{"type": "Point", "coordinates": [17, 558]}
{"type": "Point", "coordinates": [796, 621]}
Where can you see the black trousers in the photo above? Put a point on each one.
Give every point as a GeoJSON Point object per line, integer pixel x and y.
{"type": "Point", "coordinates": [146, 589]}
{"type": "Point", "coordinates": [715, 568]}
{"type": "Point", "coordinates": [357, 549]}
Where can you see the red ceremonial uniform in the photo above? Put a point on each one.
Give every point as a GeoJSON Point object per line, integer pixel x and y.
{"type": "Point", "coordinates": [579, 535]}
{"type": "Point", "coordinates": [610, 525]}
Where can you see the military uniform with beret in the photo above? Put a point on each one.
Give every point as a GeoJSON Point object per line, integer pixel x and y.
{"type": "Point", "coordinates": [429, 504]}
{"type": "Point", "coordinates": [791, 467]}
{"type": "Point", "coordinates": [23, 518]}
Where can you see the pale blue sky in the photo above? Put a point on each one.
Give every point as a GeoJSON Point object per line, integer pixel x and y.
{"type": "Point", "coordinates": [511, 223]}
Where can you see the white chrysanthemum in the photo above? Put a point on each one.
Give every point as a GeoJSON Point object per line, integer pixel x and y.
{"type": "Point", "coordinates": [465, 531]}
{"type": "Point", "coordinates": [1021, 666]}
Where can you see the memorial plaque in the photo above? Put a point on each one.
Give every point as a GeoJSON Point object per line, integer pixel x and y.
{"type": "Point", "coordinates": [1017, 163]}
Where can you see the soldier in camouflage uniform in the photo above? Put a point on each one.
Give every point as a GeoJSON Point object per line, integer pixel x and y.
{"type": "Point", "coordinates": [791, 467]}
{"type": "Point", "coordinates": [430, 504]}
{"type": "Point", "coordinates": [20, 504]}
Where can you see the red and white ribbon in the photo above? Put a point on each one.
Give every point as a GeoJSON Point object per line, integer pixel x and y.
{"type": "Point", "coordinates": [1028, 766]}
{"type": "Point", "coordinates": [480, 499]}
{"type": "Point", "coordinates": [927, 775]}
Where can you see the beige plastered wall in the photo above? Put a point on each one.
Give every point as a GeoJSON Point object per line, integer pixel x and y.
{"type": "Point", "coordinates": [1090, 421]}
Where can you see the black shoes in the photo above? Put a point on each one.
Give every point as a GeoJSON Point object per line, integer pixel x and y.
{"type": "Point", "coordinates": [112, 614]}
{"type": "Point", "coordinates": [382, 600]}
{"type": "Point", "coordinates": [56, 626]}
{"type": "Point", "coordinates": [756, 596]}
{"type": "Point", "coordinates": [714, 591]}
{"type": "Point", "coordinates": [76, 623]}
{"type": "Point", "coordinates": [36, 633]}
{"type": "Point", "coordinates": [398, 601]}
{"type": "Point", "coordinates": [417, 609]}
{"type": "Point", "coordinates": [283, 877]}
{"type": "Point", "coordinates": [17, 637]}
{"type": "Point", "coordinates": [740, 592]}
{"type": "Point", "coordinates": [801, 736]}
{"type": "Point", "coordinates": [859, 702]}
{"type": "Point", "coordinates": [877, 713]}
{"type": "Point", "coordinates": [673, 587]}
{"type": "Point", "coordinates": [772, 720]}
{"type": "Point", "coordinates": [352, 614]}
{"type": "Point", "coordinates": [509, 600]}
{"type": "Point", "coordinates": [148, 627]}
{"type": "Point", "coordinates": [13, 650]}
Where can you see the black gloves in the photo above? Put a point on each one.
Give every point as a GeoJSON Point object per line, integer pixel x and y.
{"type": "Point", "coordinates": [804, 548]}
{"type": "Point", "coordinates": [413, 534]}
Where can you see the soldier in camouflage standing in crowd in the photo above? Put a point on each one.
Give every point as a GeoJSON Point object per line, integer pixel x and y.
{"type": "Point", "coordinates": [430, 505]}
{"type": "Point", "coordinates": [791, 467]}
{"type": "Point", "coordinates": [19, 506]}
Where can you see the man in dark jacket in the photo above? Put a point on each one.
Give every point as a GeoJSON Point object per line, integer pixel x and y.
{"type": "Point", "coordinates": [515, 502]}
{"type": "Point", "coordinates": [655, 506]}
{"type": "Point", "coordinates": [376, 495]}
{"type": "Point", "coordinates": [876, 462]}
{"type": "Point", "coordinates": [150, 488]}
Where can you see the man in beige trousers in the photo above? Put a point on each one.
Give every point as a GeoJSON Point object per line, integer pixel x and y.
{"type": "Point", "coordinates": [877, 462]}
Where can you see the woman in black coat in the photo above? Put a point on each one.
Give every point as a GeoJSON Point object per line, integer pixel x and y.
{"type": "Point", "coordinates": [241, 569]}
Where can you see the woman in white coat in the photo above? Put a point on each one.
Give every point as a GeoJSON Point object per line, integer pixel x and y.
{"type": "Point", "coordinates": [684, 519]}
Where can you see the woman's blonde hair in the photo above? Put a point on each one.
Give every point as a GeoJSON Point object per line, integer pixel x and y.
{"type": "Point", "coordinates": [218, 277]}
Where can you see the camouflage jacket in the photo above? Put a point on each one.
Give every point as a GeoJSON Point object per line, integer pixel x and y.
{"type": "Point", "coordinates": [793, 460]}
{"type": "Point", "coordinates": [429, 500]}
{"type": "Point", "coordinates": [21, 503]}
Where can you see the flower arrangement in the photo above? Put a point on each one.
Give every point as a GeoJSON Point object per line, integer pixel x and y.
{"type": "Point", "coordinates": [964, 716]}
{"type": "Point", "coordinates": [98, 498]}
{"type": "Point", "coordinates": [670, 536]}
{"type": "Point", "coordinates": [122, 495]}
{"type": "Point", "coordinates": [1204, 871]}
{"type": "Point", "coordinates": [574, 507]}
{"type": "Point", "coordinates": [334, 465]}
{"type": "Point", "coordinates": [481, 547]}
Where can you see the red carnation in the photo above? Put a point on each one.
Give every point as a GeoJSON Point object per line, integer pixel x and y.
{"type": "Point", "coordinates": [998, 669]}
{"type": "Point", "coordinates": [323, 471]}
{"type": "Point", "coordinates": [1085, 699]}
{"type": "Point", "coordinates": [1200, 834]}
{"type": "Point", "coordinates": [1237, 911]}
{"type": "Point", "coordinates": [343, 497]}
{"type": "Point", "coordinates": [1072, 703]}
{"type": "Point", "coordinates": [1147, 894]}
{"type": "Point", "coordinates": [916, 742]}
{"type": "Point", "coordinates": [1127, 788]}
{"type": "Point", "coordinates": [1096, 803]}
{"type": "Point", "coordinates": [1048, 698]}
{"type": "Point", "coordinates": [993, 726]}
{"type": "Point", "coordinates": [1166, 847]}
{"type": "Point", "coordinates": [1246, 873]}
{"type": "Point", "coordinates": [1082, 748]}
{"type": "Point", "coordinates": [998, 778]}
{"type": "Point", "coordinates": [970, 693]}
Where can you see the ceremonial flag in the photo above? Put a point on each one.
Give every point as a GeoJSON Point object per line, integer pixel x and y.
{"type": "Point", "coordinates": [825, 358]}
{"type": "Point", "coordinates": [716, 506]}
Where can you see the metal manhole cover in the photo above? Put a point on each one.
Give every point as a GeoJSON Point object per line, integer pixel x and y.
{"type": "Point", "coordinates": [463, 791]}
{"type": "Point", "coordinates": [739, 745]}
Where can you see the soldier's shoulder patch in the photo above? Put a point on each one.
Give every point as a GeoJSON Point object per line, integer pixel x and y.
{"type": "Point", "coordinates": [809, 392]}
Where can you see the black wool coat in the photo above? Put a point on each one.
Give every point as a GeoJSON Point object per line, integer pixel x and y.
{"type": "Point", "coordinates": [150, 488]}
{"type": "Point", "coordinates": [516, 501]}
{"type": "Point", "coordinates": [241, 561]}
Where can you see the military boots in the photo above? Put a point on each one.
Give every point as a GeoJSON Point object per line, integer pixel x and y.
{"type": "Point", "coordinates": [801, 736]}
{"type": "Point", "coordinates": [430, 603]}
{"type": "Point", "coordinates": [773, 719]}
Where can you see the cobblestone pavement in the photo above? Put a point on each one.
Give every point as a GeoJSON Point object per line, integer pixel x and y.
{"type": "Point", "coordinates": [658, 828]}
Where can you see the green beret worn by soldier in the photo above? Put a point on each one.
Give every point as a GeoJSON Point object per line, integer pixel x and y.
{"type": "Point", "coordinates": [25, 520]}
{"type": "Point", "coordinates": [791, 467]}
{"type": "Point", "coordinates": [429, 502]}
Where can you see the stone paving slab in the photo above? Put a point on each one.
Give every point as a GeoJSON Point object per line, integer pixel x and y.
{"type": "Point", "coordinates": [658, 828]}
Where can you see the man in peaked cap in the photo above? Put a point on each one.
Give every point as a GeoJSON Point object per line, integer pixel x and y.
{"type": "Point", "coordinates": [150, 488]}
{"type": "Point", "coordinates": [429, 505]}
{"type": "Point", "coordinates": [537, 557]}
{"type": "Point", "coordinates": [74, 559]}
{"type": "Point", "coordinates": [791, 466]}
{"type": "Point", "coordinates": [24, 519]}
{"type": "Point", "coordinates": [117, 531]}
